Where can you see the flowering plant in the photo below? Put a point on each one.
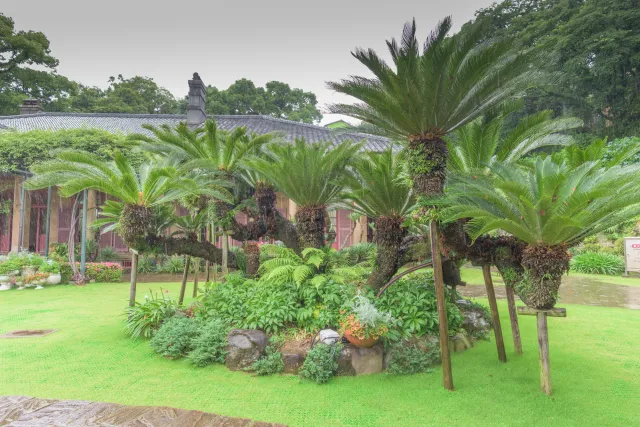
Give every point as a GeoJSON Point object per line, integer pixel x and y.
{"type": "Point", "coordinates": [363, 320]}
{"type": "Point", "coordinates": [35, 278]}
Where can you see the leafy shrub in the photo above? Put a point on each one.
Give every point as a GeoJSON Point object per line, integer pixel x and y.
{"type": "Point", "coordinates": [104, 272]}
{"type": "Point", "coordinates": [316, 266]}
{"type": "Point", "coordinates": [412, 303]}
{"type": "Point", "coordinates": [406, 359]}
{"type": "Point", "coordinates": [50, 266]}
{"type": "Point", "coordinates": [597, 263]}
{"type": "Point", "coordinates": [359, 253]}
{"type": "Point", "coordinates": [365, 320]}
{"type": "Point", "coordinates": [175, 338]}
{"type": "Point", "coordinates": [209, 345]}
{"type": "Point", "coordinates": [321, 362]}
{"type": "Point", "coordinates": [107, 255]}
{"type": "Point", "coordinates": [618, 246]}
{"type": "Point", "coordinates": [269, 306]}
{"type": "Point", "coordinates": [173, 265]}
{"type": "Point", "coordinates": [241, 259]}
{"type": "Point", "coordinates": [144, 318]}
{"type": "Point", "coordinates": [10, 264]}
{"type": "Point", "coordinates": [145, 265]}
{"type": "Point", "coordinates": [271, 363]}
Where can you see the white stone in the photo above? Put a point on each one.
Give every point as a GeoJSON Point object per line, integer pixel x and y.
{"type": "Point", "coordinates": [329, 336]}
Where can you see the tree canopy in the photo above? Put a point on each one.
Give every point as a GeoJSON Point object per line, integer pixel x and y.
{"type": "Point", "coordinates": [596, 45]}
{"type": "Point", "coordinates": [275, 99]}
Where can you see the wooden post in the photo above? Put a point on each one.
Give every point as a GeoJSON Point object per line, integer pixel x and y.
{"type": "Point", "coordinates": [185, 276]}
{"type": "Point", "coordinates": [225, 253]}
{"type": "Point", "coordinates": [543, 352]}
{"type": "Point", "coordinates": [513, 315]}
{"type": "Point", "coordinates": [543, 341]}
{"type": "Point", "coordinates": [134, 279]}
{"type": "Point", "coordinates": [447, 376]}
{"type": "Point", "coordinates": [495, 315]}
{"type": "Point", "coordinates": [196, 264]}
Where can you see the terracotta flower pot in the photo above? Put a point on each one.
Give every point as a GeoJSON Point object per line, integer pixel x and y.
{"type": "Point", "coordinates": [362, 343]}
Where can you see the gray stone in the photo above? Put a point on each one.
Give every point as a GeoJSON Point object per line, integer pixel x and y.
{"type": "Point", "coordinates": [244, 347]}
{"type": "Point", "coordinates": [476, 323]}
{"type": "Point", "coordinates": [329, 336]}
{"type": "Point", "coordinates": [293, 362]}
{"type": "Point", "coordinates": [460, 342]}
{"type": "Point", "coordinates": [360, 361]}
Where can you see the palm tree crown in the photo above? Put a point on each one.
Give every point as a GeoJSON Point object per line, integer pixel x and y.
{"type": "Point", "coordinates": [473, 147]}
{"type": "Point", "coordinates": [551, 204]}
{"type": "Point", "coordinates": [436, 89]}
{"type": "Point", "coordinates": [379, 186]}
{"type": "Point", "coordinates": [309, 174]}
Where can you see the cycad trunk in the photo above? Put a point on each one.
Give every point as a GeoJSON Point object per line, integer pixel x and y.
{"type": "Point", "coordinates": [544, 267]}
{"type": "Point", "coordinates": [135, 224]}
{"type": "Point", "coordinates": [388, 237]}
{"type": "Point", "coordinates": [427, 161]}
{"type": "Point", "coordinates": [252, 257]}
{"type": "Point", "coordinates": [310, 223]}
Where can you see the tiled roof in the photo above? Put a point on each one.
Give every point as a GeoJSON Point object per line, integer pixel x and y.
{"type": "Point", "coordinates": [132, 123]}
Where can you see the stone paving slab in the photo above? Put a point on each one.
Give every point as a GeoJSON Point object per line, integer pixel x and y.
{"type": "Point", "coordinates": [24, 411]}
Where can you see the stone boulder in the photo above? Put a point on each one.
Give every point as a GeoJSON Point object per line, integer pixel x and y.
{"type": "Point", "coordinates": [475, 322]}
{"type": "Point", "coordinates": [244, 347]}
{"type": "Point", "coordinates": [360, 361]}
{"type": "Point", "coordinates": [294, 354]}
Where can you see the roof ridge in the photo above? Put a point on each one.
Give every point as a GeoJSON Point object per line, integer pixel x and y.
{"type": "Point", "coordinates": [115, 115]}
{"type": "Point", "coordinates": [308, 125]}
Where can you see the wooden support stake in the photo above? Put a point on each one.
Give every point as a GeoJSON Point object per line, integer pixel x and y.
{"type": "Point", "coordinates": [495, 315]}
{"type": "Point", "coordinates": [543, 351]}
{"type": "Point", "coordinates": [554, 312]}
{"type": "Point", "coordinates": [513, 315]}
{"type": "Point", "coordinates": [543, 340]}
{"type": "Point", "coordinates": [134, 279]}
{"type": "Point", "coordinates": [438, 279]}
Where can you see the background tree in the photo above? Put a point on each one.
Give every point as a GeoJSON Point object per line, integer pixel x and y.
{"type": "Point", "coordinates": [596, 44]}
{"type": "Point", "coordinates": [276, 99]}
{"type": "Point", "coordinates": [20, 52]}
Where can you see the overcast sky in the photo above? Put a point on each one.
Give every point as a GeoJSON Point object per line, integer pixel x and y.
{"type": "Point", "coordinates": [302, 43]}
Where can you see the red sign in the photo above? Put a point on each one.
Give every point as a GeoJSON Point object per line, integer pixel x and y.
{"type": "Point", "coordinates": [635, 245]}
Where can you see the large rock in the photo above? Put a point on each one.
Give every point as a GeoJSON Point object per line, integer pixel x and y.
{"type": "Point", "coordinates": [360, 361]}
{"type": "Point", "coordinates": [244, 347]}
{"type": "Point", "coordinates": [293, 354]}
{"type": "Point", "coordinates": [476, 323]}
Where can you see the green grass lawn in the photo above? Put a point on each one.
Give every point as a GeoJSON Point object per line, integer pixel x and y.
{"type": "Point", "coordinates": [473, 276]}
{"type": "Point", "coordinates": [595, 359]}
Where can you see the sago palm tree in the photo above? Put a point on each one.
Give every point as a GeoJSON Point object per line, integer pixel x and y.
{"type": "Point", "coordinates": [473, 147]}
{"type": "Point", "coordinates": [139, 189]}
{"type": "Point", "coordinates": [311, 175]}
{"type": "Point", "coordinates": [379, 190]}
{"type": "Point", "coordinates": [430, 91]}
{"type": "Point", "coordinates": [550, 208]}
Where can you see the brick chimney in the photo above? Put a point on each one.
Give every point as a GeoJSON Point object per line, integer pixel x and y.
{"type": "Point", "coordinates": [30, 106]}
{"type": "Point", "coordinates": [197, 93]}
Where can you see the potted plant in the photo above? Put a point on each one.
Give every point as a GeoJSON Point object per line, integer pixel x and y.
{"type": "Point", "coordinates": [363, 324]}
{"type": "Point", "coordinates": [53, 269]}
{"type": "Point", "coordinates": [8, 268]}
{"type": "Point", "coordinates": [31, 263]}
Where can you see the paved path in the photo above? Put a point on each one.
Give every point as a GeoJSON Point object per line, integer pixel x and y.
{"type": "Point", "coordinates": [23, 411]}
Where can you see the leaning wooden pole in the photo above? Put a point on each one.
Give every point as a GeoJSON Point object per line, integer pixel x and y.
{"type": "Point", "coordinates": [495, 315]}
{"type": "Point", "coordinates": [513, 316]}
{"type": "Point", "coordinates": [438, 279]}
